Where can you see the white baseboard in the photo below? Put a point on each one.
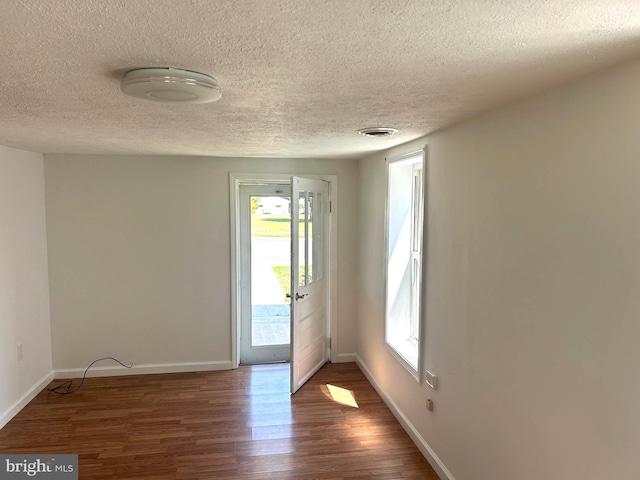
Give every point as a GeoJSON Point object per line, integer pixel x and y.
{"type": "Point", "coordinates": [143, 369]}
{"type": "Point", "coordinates": [22, 402]}
{"type": "Point", "coordinates": [420, 442]}
{"type": "Point", "coordinates": [345, 358]}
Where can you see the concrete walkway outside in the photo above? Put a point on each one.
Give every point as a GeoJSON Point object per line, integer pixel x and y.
{"type": "Point", "coordinates": [270, 313]}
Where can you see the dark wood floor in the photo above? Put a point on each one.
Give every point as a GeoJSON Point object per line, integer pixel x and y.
{"type": "Point", "coordinates": [232, 424]}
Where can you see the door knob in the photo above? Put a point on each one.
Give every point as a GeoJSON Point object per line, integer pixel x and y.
{"type": "Point", "coordinates": [298, 296]}
{"type": "Point", "coordinates": [288, 295]}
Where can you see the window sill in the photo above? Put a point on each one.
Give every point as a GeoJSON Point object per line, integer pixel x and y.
{"type": "Point", "coordinates": [406, 353]}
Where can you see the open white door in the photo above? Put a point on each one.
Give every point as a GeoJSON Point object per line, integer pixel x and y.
{"type": "Point", "coordinates": [309, 319]}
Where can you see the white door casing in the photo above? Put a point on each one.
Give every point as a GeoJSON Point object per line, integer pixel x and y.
{"type": "Point", "coordinates": [236, 180]}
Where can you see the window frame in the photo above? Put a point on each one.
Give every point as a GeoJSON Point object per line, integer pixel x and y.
{"type": "Point", "coordinates": [416, 239]}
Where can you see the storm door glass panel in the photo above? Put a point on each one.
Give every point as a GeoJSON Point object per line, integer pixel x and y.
{"type": "Point", "coordinates": [270, 226]}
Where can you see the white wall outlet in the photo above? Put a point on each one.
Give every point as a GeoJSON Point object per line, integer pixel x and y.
{"type": "Point", "coordinates": [432, 380]}
{"type": "Point", "coordinates": [19, 350]}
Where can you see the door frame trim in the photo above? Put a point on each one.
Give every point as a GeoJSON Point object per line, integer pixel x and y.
{"type": "Point", "coordinates": [237, 179]}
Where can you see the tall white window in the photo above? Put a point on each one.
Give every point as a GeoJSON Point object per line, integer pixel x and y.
{"type": "Point", "coordinates": [404, 245]}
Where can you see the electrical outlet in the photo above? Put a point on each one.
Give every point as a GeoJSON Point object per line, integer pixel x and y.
{"type": "Point", "coordinates": [19, 349]}
{"type": "Point", "coordinates": [432, 380]}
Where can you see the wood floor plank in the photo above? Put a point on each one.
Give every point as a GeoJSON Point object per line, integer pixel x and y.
{"type": "Point", "coordinates": [239, 424]}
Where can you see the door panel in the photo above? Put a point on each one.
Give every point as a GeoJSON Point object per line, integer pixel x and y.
{"type": "Point", "coordinates": [309, 319]}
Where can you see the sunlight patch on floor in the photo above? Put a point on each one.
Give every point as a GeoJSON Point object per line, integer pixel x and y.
{"type": "Point", "coordinates": [342, 396]}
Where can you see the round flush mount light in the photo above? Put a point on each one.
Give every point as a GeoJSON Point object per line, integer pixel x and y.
{"type": "Point", "coordinates": [170, 85]}
{"type": "Point", "coordinates": [377, 131]}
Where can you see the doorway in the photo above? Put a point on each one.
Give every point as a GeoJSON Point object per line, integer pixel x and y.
{"type": "Point", "coordinates": [265, 257]}
{"type": "Point", "coordinates": [240, 283]}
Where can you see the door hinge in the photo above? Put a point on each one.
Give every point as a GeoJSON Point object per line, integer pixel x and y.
{"type": "Point", "coordinates": [330, 206]}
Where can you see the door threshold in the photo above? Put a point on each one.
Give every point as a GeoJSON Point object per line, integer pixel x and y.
{"type": "Point", "coordinates": [264, 363]}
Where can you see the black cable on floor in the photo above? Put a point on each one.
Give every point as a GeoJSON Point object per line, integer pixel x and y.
{"type": "Point", "coordinates": [69, 383]}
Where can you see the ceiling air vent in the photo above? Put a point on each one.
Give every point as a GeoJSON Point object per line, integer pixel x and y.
{"type": "Point", "coordinates": [377, 131]}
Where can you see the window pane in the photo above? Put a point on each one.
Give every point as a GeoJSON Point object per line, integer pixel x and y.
{"type": "Point", "coordinates": [414, 327]}
{"type": "Point", "coordinates": [416, 230]}
{"type": "Point", "coordinates": [303, 245]}
{"type": "Point", "coordinates": [417, 209]}
{"type": "Point", "coordinates": [318, 240]}
{"type": "Point", "coordinates": [311, 211]}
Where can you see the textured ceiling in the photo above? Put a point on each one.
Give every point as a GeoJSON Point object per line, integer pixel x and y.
{"type": "Point", "coordinates": [298, 77]}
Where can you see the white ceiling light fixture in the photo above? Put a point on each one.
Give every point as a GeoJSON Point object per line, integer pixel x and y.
{"type": "Point", "coordinates": [377, 131]}
{"type": "Point", "coordinates": [170, 85]}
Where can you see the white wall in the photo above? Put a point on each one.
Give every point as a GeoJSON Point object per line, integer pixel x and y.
{"type": "Point", "coordinates": [533, 281]}
{"type": "Point", "coordinates": [24, 291]}
{"type": "Point", "coordinates": [139, 253]}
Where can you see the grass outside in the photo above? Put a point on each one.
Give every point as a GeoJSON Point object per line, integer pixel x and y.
{"type": "Point", "coordinates": [274, 226]}
{"type": "Point", "coordinates": [283, 274]}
